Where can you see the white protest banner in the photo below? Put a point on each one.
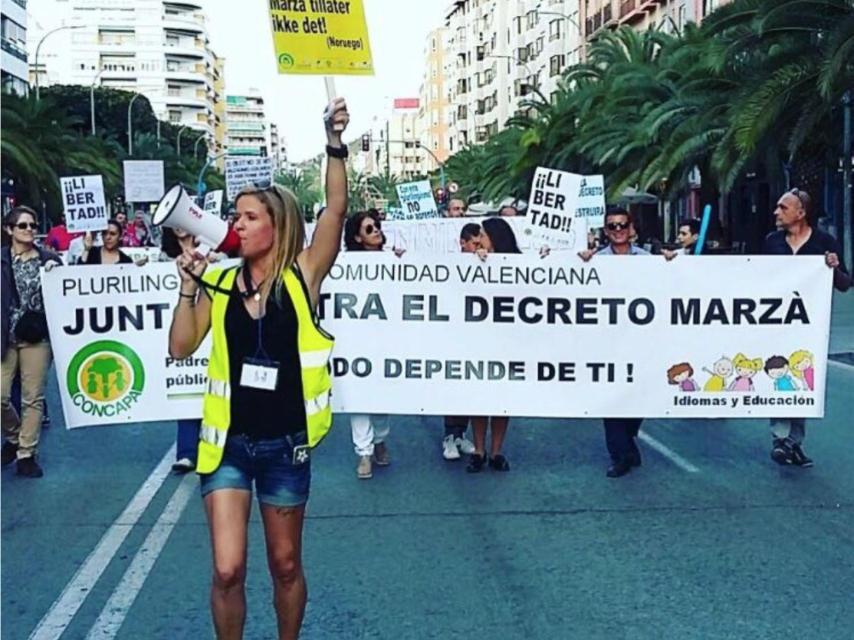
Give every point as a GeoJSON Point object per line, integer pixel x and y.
{"type": "Point", "coordinates": [551, 208]}
{"type": "Point", "coordinates": [143, 180]}
{"type": "Point", "coordinates": [243, 170]}
{"type": "Point", "coordinates": [83, 203]}
{"type": "Point", "coordinates": [442, 235]}
{"type": "Point", "coordinates": [416, 200]}
{"type": "Point", "coordinates": [590, 206]}
{"type": "Point", "coordinates": [556, 337]}
{"type": "Point", "coordinates": [109, 328]}
{"type": "Point", "coordinates": [213, 202]}
{"type": "Point", "coordinates": [514, 335]}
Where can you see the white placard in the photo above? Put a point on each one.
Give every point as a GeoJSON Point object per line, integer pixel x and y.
{"type": "Point", "coordinates": [514, 335]}
{"type": "Point", "coordinates": [213, 202]}
{"type": "Point", "coordinates": [143, 180]}
{"type": "Point", "coordinates": [416, 200]}
{"type": "Point", "coordinates": [551, 208]}
{"type": "Point", "coordinates": [442, 235]}
{"type": "Point", "coordinates": [590, 206]}
{"type": "Point", "coordinates": [243, 170]}
{"type": "Point", "coordinates": [83, 203]}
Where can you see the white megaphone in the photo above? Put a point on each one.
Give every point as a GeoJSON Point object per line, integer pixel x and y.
{"type": "Point", "coordinates": [177, 209]}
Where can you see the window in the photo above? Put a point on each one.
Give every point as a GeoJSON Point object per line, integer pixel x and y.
{"type": "Point", "coordinates": [554, 30]}
{"type": "Point", "coordinates": [174, 115]}
{"type": "Point", "coordinates": [522, 54]}
{"type": "Point", "coordinates": [531, 19]}
{"type": "Point", "coordinates": [556, 64]}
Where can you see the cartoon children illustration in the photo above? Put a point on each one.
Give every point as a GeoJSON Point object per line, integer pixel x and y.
{"type": "Point", "coordinates": [801, 364]}
{"type": "Point", "coordinates": [681, 374]}
{"type": "Point", "coordinates": [722, 369]}
{"type": "Point", "coordinates": [745, 369]}
{"type": "Point", "coordinates": [777, 368]}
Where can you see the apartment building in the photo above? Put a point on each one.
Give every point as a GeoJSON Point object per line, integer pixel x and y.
{"type": "Point", "coordinates": [278, 150]}
{"type": "Point", "coordinates": [435, 111]}
{"type": "Point", "coordinates": [13, 39]}
{"type": "Point", "coordinates": [668, 15]}
{"type": "Point", "coordinates": [502, 52]}
{"type": "Point", "coordinates": [246, 125]}
{"type": "Point", "coordinates": [157, 48]}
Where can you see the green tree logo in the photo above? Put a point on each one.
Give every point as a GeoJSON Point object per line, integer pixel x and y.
{"type": "Point", "coordinates": [105, 371]}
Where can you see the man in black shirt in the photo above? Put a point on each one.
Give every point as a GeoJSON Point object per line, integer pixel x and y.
{"type": "Point", "coordinates": [797, 237]}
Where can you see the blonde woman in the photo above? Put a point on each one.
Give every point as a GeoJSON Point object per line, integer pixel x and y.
{"type": "Point", "coordinates": [267, 401]}
{"type": "Point", "coordinates": [802, 366]}
{"type": "Point", "coordinates": [745, 370]}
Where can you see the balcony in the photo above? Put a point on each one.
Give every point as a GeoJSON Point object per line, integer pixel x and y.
{"type": "Point", "coordinates": [632, 11]}
{"type": "Point", "coordinates": [185, 75]}
{"type": "Point", "coordinates": [186, 23]}
{"type": "Point", "coordinates": [186, 101]}
{"type": "Point", "coordinates": [14, 50]}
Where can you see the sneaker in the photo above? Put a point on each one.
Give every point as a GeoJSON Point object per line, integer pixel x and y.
{"type": "Point", "coordinates": [8, 453]}
{"type": "Point", "coordinates": [381, 456]}
{"type": "Point", "coordinates": [364, 470]}
{"type": "Point", "coordinates": [499, 463]}
{"type": "Point", "coordinates": [184, 465]}
{"type": "Point", "coordinates": [449, 448]}
{"type": "Point", "coordinates": [799, 458]}
{"type": "Point", "coordinates": [782, 453]}
{"type": "Point", "coordinates": [476, 463]}
{"type": "Point", "coordinates": [29, 468]}
{"type": "Point", "coordinates": [465, 446]}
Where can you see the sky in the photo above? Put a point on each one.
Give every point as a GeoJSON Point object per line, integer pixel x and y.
{"type": "Point", "coordinates": [239, 31]}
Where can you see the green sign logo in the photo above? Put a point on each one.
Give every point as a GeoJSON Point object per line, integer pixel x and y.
{"type": "Point", "coordinates": [286, 60]}
{"type": "Point", "coordinates": [105, 378]}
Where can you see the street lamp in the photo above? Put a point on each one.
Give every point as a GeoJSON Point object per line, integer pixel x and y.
{"type": "Point", "coordinates": [130, 124]}
{"type": "Point", "coordinates": [178, 141]}
{"type": "Point", "coordinates": [565, 16]}
{"type": "Point", "coordinates": [196, 145]}
{"type": "Point", "coordinates": [199, 193]}
{"type": "Point", "coordinates": [92, 98]}
{"type": "Point", "coordinates": [39, 46]}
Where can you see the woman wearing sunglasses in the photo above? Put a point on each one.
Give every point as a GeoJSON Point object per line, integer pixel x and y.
{"type": "Point", "coordinates": [496, 237]}
{"type": "Point", "coordinates": [363, 232]}
{"type": "Point", "coordinates": [109, 253]}
{"type": "Point", "coordinates": [25, 340]}
{"type": "Point", "coordinates": [267, 398]}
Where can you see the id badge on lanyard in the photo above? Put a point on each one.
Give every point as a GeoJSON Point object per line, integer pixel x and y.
{"type": "Point", "coordinates": [261, 371]}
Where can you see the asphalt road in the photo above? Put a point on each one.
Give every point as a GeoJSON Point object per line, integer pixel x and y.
{"type": "Point", "coordinates": [709, 539]}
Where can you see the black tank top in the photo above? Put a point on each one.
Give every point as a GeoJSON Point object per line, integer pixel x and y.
{"type": "Point", "coordinates": [258, 413]}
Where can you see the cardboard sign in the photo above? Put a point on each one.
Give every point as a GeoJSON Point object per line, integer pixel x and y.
{"type": "Point", "coordinates": [241, 171]}
{"type": "Point", "coordinates": [327, 37]}
{"type": "Point", "coordinates": [551, 208]}
{"type": "Point", "coordinates": [143, 180]}
{"type": "Point", "coordinates": [213, 201]}
{"type": "Point", "coordinates": [590, 206]}
{"type": "Point", "coordinates": [416, 201]}
{"type": "Point", "coordinates": [83, 203]}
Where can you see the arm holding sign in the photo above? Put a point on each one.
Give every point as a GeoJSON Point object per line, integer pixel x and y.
{"type": "Point", "coordinates": [317, 259]}
{"type": "Point", "coordinates": [192, 318]}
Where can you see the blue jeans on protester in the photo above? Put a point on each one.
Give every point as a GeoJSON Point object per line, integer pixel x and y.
{"type": "Point", "coordinates": [188, 439]}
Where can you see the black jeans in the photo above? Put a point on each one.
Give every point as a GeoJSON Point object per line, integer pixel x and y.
{"type": "Point", "coordinates": [620, 434]}
{"type": "Point", "coordinates": [456, 426]}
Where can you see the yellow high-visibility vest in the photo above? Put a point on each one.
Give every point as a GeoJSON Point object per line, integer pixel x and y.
{"type": "Point", "coordinates": [314, 346]}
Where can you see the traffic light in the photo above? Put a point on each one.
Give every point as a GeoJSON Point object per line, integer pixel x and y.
{"type": "Point", "coordinates": [366, 142]}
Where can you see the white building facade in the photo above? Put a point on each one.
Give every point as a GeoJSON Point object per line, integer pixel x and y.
{"type": "Point", "coordinates": [13, 38]}
{"type": "Point", "coordinates": [157, 48]}
{"type": "Point", "coordinates": [498, 53]}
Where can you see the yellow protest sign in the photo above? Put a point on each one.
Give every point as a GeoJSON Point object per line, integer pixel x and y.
{"type": "Point", "coordinates": [328, 37]}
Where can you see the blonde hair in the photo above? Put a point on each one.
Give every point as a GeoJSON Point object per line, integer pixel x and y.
{"type": "Point", "coordinates": [744, 362]}
{"type": "Point", "coordinates": [796, 358]}
{"type": "Point", "coordinates": [288, 231]}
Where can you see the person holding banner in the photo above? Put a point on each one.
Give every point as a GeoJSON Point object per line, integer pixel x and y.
{"type": "Point", "coordinates": [267, 398]}
{"type": "Point", "coordinates": [620, 433]}
{"type": "Point", "coordinates": [496, 237]}
{"type": "Point", "coordinates": [109, 252]}
{"type": "Point", "coordinates": [363, 232]}
{"type": "Point", "coordinates": [25, 339]}
{"type": "Point", "coordinates": [797, 237]}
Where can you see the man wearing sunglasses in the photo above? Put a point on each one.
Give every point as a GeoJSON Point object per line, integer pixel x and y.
{"type": "Point", "coordinates": [796, 236]}
{"type": "Point", "coordinates": [620, 433]}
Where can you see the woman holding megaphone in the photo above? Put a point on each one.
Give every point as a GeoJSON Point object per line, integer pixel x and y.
{"type": "Point", "coordinates": [267, 398]}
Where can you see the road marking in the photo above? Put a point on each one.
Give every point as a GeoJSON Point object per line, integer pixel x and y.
{"type": "Point", "coordinates": [668, 453]}
{"type": "Point", "coordinates": [62, 611]}
{"type": "Point", "coordinates": [115, 611]}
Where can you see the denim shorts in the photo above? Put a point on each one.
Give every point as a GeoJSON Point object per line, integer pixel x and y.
{"type": "Point", "coordinates": [280, 480]}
